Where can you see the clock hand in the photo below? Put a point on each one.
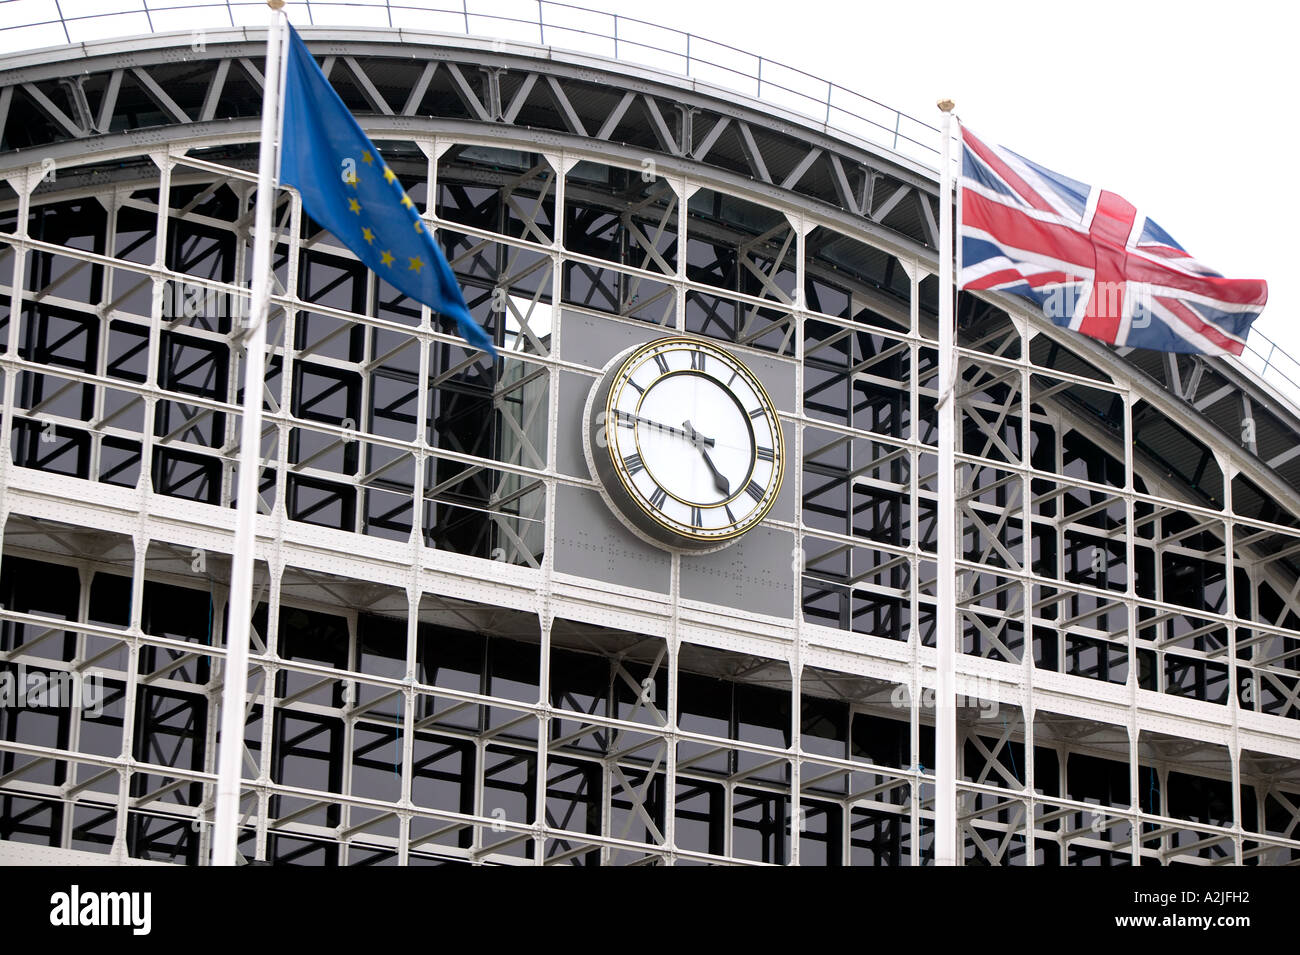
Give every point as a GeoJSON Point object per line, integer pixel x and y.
{"type": "Point", "coordinates": [720, 482]}
{"type": "Point", "coordinates": [628, 416]}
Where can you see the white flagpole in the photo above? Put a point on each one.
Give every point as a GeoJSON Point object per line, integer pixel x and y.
{"type": "Point", "coordinates": [945, 710]}
{"type": "Point", "coordinates": [234, 692]}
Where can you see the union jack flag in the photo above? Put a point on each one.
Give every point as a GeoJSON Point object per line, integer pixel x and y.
{"type": "Point", "coordinates": [1091, 261]}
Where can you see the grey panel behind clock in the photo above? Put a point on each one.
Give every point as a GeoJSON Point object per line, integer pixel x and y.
{"type": "Point", "coordinates": [755, 573]}
{"type": "Point", "coordinates": [587, 340]}
{"type": "Point", "coordinates": [569, 458]}
{"type": "Point", "coordinates": [776, 375]}
{"type": "Point", "coordinates": [591, 542]}
{"type": "Point", "coordinates": [783, 509]}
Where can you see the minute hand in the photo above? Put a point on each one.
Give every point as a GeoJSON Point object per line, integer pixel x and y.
{"type": "Point", "coordinates": [667, 428]}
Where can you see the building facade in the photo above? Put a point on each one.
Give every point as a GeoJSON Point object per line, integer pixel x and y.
{"type": "Point", "coordinates": [460, 654]}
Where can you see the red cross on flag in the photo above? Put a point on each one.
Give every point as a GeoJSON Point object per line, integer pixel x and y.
{"type": "Point", "coordinates": [1090, 260]}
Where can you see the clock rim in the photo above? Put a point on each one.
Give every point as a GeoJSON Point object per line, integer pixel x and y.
{"type": "Point", "coordinates": [680, 542]}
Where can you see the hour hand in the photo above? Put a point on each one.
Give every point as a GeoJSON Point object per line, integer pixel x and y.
{"type": "Point", "coordinates": [719, 482]}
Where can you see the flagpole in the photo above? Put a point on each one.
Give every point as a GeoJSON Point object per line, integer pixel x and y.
{"type": "Point", "coordinates": [234, 692]}
{"type": "Point", "coordinates": [945, 711]}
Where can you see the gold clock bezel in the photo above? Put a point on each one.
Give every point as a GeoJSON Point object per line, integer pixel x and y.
{"type": "Point", "coordinates": [670, 532]}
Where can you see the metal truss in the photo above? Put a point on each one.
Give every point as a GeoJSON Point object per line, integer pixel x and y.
{"type": "Point", "coordinates": [425, 686]}
{"type": "Point", "coordinates": [216, 87]}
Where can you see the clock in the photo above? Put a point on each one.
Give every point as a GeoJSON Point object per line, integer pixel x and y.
{"type": "Point", "coordinates": [684, 443]}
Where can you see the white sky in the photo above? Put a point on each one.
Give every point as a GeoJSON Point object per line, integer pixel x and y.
{"type": "Point", "coordinates": [1185, 109]}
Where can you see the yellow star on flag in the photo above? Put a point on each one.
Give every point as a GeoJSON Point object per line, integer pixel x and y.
{"type": "Point", "coordinates": [406, 201]}
{"type": "Point", "coordinates": [368, 235]}
{"type": "Point", "coordinates": [389, 175]}
{"type": "Point", "coordinates": [417, 263]}
{"type": "Point", "coordinates": [368, 159]}
{"type": "Point", "coordinates": [354, 206]}
{"type": "Point", "coordinates": [386, 258]}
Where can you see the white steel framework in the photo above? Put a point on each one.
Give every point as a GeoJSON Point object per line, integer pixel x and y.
{"type": "Point", "coordinates": [425, 685]}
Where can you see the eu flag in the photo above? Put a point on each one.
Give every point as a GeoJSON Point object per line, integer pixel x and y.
{"type": "Point", "coordinates": [349, 190]}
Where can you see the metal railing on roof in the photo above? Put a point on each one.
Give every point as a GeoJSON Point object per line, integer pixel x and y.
{"type": "Point", "coordinates": [545, 22]}
{"type": "Point", "coordinates": [1267, 359]}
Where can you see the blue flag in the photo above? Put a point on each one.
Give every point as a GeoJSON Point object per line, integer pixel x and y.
{"type": "Point", "coordinates": [349, 190]}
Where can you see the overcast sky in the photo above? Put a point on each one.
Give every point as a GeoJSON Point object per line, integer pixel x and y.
{"type": "Point", "coordinates": [1185, 109]}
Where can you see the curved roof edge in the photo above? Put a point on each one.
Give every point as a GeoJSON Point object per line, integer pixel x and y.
{"type": "Point", "coordinates": [45, 60]}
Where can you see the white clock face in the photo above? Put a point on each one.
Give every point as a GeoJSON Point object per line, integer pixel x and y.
{"type": "Point", "coordinates": [686, 443]}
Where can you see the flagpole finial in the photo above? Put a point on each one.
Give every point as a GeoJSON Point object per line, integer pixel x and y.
{"type": "Point", "coordinates": [946, 105]}
{"type": "Point", "coordinates": [275, 4]}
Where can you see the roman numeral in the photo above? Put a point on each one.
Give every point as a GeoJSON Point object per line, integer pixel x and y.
{"type": "Point", "coordinates": [639, 389]}
{"type": "Point", "coordinates": [697, 517]}
{"type": "Point", "coordinates": [757, 412]}
{"type": "Point", "coordinates": [731, 518]}
{"type": "Point", "coordinates": [633, 463]}
{"type": "Point", "coordinates": [697, 359]}
{"type": "Point", "coordinates": [658, 497]}
{"type": "Point", "coordinates": [765, 454]}
{"type": "Point", "coordinates": [662, 363]}
{"type": "Point", "coordinates": [754, 491]}
{"type": "Point", "coordinates": [625, 419]}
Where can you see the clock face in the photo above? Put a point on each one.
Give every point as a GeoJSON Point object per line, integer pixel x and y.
{"type": "Point", "coordinates": [685, 443]}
